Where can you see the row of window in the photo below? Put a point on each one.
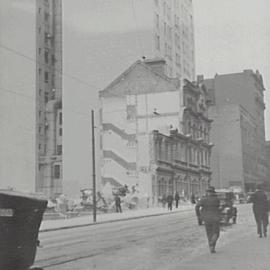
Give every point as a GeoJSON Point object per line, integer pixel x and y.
{"type": "Point", "coordinates": [58, 149]}
{"type": "Point", "coordinates": [47, 58]}
{"type": "Point", "coordinates": [194, 155]}
{"type": "Point", "coordinates": [165, 187]}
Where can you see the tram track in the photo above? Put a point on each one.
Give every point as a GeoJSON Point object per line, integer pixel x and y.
{"type": "Point", "coordinates": [76, 247]}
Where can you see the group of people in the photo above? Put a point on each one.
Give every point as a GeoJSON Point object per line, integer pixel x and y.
{"type": "Point", "coordinates": [209, 208]}
{"type": "Point", "coordinates": [169, 200]}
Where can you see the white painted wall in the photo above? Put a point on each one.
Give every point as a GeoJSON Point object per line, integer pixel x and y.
{"type": "Point", "coordinates": [113, 142]}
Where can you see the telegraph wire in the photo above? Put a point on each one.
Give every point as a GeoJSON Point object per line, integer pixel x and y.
{"type": "Point", "coordinates": [44, 64]}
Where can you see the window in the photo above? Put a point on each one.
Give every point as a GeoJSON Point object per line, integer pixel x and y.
{"type": "Point", "coordinates": [60, 118]}
{"type": "Point", "coordinates": [157, 20]}
{"type": "Point", "coordinates": [60, 131]}
{"type": "Point", "coordinates": [39, 10]}
{"type": "Point", "coordinates": [164, 8]}
{"type": "Point", "coordinates": [57, 171]}
{"type": "Point", "coordinates": [131, 112]}
{"type": "Point", "coordinates": [39, 71]}
{"type": "Point", "coordinates": [46, 57]}
{"type": "Point", "coordinates": [59, 149]}
{"type": "Point", "coordinates": [39, 146]}
{"type": "Point", "coordinates": [170, 51]}
{"type": "Point", "coordinates": [177, 59]}
{"type": "Point", "coordinates": [53, 59]}
{"type": "Point", "coordinates": [46, 16]}
{"type": "Point", "coordinates": [53, 80]}
{"type": "Point", "coordinates": [170, 72]}
{"type": "Point", "coordinates": [46, 97]}
{"type": "Point", "coordinates": [46, 76]}
{"type": "Point", "coordinates": [39, 50]}
{"type": "Point", "coordinates": [39, 92]}
{"type": "Point", "coordinates": [165, 29]}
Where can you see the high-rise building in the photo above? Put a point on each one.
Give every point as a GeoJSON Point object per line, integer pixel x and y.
{"type": "Point", "coordinates": [31, 95]}
{"type": "Point", "coordinates": [49, 97]}
{"type": "Point", "coordinates": [238, 131]}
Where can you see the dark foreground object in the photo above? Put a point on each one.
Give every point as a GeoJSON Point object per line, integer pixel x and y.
{"type": "Point", "coordinates": [20, 218]}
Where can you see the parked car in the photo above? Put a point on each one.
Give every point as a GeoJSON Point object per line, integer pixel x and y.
{"type": "Point", "coordinates": [228, 212]}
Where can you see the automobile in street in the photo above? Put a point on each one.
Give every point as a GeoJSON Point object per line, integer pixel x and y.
{"type": "Point", "coordinates": [228, 212]}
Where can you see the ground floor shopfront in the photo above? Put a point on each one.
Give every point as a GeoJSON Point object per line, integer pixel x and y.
{"type": "Point", "coordinates": [185, 182]}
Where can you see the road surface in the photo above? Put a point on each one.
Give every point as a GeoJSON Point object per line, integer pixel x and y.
{"type": "Point", "coordinates": [161, 242]}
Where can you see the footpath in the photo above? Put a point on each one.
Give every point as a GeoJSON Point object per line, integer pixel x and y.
{"type": "Point", "coordinates": [249, 253]}
{"type": "Point", "coordinates": [81, 221]}
{"type": "Point", "coordinates": [239, 248]}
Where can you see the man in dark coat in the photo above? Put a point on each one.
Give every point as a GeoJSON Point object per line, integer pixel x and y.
{"type": "Point", "coordinates": [170, 201]}
{"type": "Point", "coordinates": [208, 207]}
{"type": "Point", "coordinates": [117, 200]}
{"type": "Point", "coordinates": [193, 199]}
{"type": "Point", "coordinates": [260, 210]}
{"type": "Point", "coordinates": [176, 197]}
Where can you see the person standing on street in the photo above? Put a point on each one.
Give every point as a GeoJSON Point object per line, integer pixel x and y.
{"type": "Point", "coordinates": [208, 207]}
{"type": "Point", "coordinates": [176, 197]}
{"type": "Point", "coordinates": [170, 201]}
{"type": "Point", "coordinates": [260, 210]}
{"type": "Point", "coordinates": [117, 200]}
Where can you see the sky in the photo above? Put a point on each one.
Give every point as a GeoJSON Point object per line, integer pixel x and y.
{"type": "Point", "coordinates": [231, 36]}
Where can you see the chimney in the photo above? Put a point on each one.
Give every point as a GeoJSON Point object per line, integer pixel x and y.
{"type": "Point", "coordinates": [157, 64]}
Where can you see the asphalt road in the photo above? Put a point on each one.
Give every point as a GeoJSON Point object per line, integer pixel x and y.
{"type": "Point", "coordinates": [161, 242]}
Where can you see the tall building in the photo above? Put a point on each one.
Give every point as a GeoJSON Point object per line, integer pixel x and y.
{"type": "Point", "coordinates": [108, 36]}
{"type": "Point", "coordinates": [238, 131]}
{"type": "Point", "coordinates": [155, 134]}
{"type": "Point", "coordinates": [31, 93]}
{"type": "Point", "coordinates": [267, 158]}
{"type": "Point", "coordinates": [49, 97]}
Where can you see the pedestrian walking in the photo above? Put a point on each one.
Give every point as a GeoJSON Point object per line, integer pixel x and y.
{"type": "Point", "coordinates": [260, 210]}
{"type": "Point", "coordinates": [117, 201]}
{"type": "Point", "coordinates": [163, 200]}
{"type": "Point", "coordinates": [170, 201]}
{"type": "Point", "coordinates": [193, 199]}
{"type": "Point", "coordinates": [177, 198]}
{"type": "Point", "coordinates": [208, 207]}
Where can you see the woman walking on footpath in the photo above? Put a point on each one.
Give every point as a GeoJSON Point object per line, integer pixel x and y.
{"type": "Point", "coordinates": [208, 207]}
{"type": "Point", "coordinates": [260, 210]}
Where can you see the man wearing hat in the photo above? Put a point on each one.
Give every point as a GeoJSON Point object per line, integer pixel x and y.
{"type": "Point", "coordinates": [208, 207]}
{"type": "Point", "coordinates": [260, 210]}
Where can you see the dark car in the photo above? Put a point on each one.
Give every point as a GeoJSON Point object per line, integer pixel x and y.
{"type": "Point", "coordinates": [228, 212]}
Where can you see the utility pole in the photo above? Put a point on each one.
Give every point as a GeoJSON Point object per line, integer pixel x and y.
{"type": "Point", "coordinates": [94, 168]}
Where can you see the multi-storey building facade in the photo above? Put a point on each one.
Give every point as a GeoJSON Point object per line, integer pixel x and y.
{"type": "Point", "coordinates": [155, 133]}
{"type": "Point", "coordinates": [49, 97]}
{"type": "Point", "coordinates": [31, 38]}
{"type": "Point", "coordinates": [238, 131]}
{"type": "Point", "coordinates": [267, 158]}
